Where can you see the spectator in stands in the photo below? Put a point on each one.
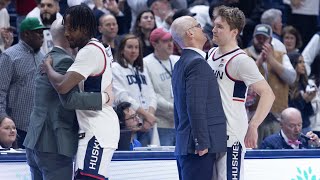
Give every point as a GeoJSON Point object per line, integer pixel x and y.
{"type": "Point", "coordinates": [129, 120]}
{"type": "Point", "coordinates": [142, 5]}
{"type": "Point", "coordinates": [291, 39]}
{"type": "Point", "coordinates": [290, 136]}
{"type": "Point", "coordinates": [273, 18]}
{"type": "Point", "coordinates": [209, 25]}
{"type": "Point", "coordinates": [304, 17]}
{"type": "Point", "coordinates": [162, 12]}
{"type": "Point", "coordinates": [18, 66]}
{"type": "Point", "coordinates": [315, 119]}
{"type": "Point", "coordinates": [89, 3]}
{"type": "Point", "coordinates": [4, 3]}
{"type": "Point", "coordinates": [6, 35]}
{"type": "Point", "coordinates": [252, 9]}
{"type": "Point", "coordinates": [142, 28]}
{"type": "Point", "coordinates": [131, 83]}
{"type": "Point", "coordinates": [299, 95]}
{"type": "Point", "coordinates": [108, 27]}
{"type": "Point", "coordinates": [311, 51]}
{"type": "Point", "coordinates": [47, 12]}
{"type": "Point", "coordinates": [276, 68]}
{"type": "Point", "coordinates": [118, 9]}
{"type": "Point", "coordinates": [8, 133]}
{"type": "Point", "coordinates": [160, 66]}
{"type": "Point", "coordinates": [278, 4]}
{"type": "Point", "coordinates": [23, 8]}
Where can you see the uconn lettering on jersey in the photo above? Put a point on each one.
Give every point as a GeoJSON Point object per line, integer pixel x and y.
{"type": "Point", "coordinates": [133, 80]}
{"type": "Point", "coordinates": [218, 74]}
{"type": "Point", "coordinates": [165, 76]}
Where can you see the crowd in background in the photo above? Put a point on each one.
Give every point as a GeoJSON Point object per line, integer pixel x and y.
{"type": "Point", "coordinates": [144, 56]}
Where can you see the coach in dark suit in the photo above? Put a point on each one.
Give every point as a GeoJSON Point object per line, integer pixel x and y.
{"type": "Point", "coordinates": [198, 114]}
{"type": "Point", "coordinates": [52, 138]}
{"type": "Point", "coordinates": [290, 136]}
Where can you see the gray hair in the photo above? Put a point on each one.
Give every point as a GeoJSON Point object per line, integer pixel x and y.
{"type": "Point", "coordinates": [270, 15]}
{"type": "Point", "coordinates": [179, 27]}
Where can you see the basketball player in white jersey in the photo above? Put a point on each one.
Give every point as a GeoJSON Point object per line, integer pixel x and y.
{"type": "Point", "coordinates": [99, 131]}
{"type": "Point", "coordinates": [235, 71]}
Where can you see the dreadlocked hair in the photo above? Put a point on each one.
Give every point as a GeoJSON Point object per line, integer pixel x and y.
{"type": "Point", "coordinates": [82, 17]}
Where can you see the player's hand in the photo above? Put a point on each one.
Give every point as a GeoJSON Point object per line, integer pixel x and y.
{"type": "Point", "coordinates": [109, 91]}
{"type": "Point", "coordinates": [46, 64]}
{"type": "Point", "coordinates": [251, 137]}
{"type": "Point", "coordinates": [201, 152]}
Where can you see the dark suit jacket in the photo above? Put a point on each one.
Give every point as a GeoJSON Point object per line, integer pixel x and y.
{"type": "Point", "coordinates": [53, 124]}
{"type": "Point", "coordinates": [276, 141]}
{"type": "Point", "coordinates": [199, 118]}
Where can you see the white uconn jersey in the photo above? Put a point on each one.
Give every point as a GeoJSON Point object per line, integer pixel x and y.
{"type": "Point", "coordinates": [102, 124]}
{"type": "Point", "coordinates": [233, 92]}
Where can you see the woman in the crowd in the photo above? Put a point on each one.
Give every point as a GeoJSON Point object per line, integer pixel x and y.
{"type": "Point", "coordinates": [315, 76]}
{"type": "Point", "coordinates": [8, 133]}
{"type": "Point", "coordinates": [291, 39]}
{"type": "Point", "coordinates": [131, 83]}
{"type": "Point", "coordinates": [300, 95]}
{"type": "Point", "coordinates": [142, 28]}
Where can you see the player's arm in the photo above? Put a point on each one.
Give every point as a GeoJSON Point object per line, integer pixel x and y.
{"type": "Point", "coordinates": [62, 83]}
{"type": "Point", "coordinates": [246, 70]}
{"type": "Point", "coordinates": [267, 97]}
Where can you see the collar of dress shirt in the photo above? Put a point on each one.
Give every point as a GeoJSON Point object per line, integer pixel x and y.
{"type": "Point", "coordinates": [203, 54]}
{"type": "Point", "coordinates": [27, 46]}
{"type": "Point", "coordinates": [287, 141]}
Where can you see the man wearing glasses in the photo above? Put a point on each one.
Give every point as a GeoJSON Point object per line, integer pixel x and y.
{"type": "Point", "coordinates": [18, 66]}
{"type": "Point", "coordinates": [129, 120]}
{"type": "Point", "coordinates": [199, 119]}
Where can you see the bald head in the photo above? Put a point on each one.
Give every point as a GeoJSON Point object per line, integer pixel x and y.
{"type": "Point", "coordinates": [108, 17]}
{"type": "Point", "coordinates": [187, 32]}
{"type": "Point", "coordinates": [108, 26]}
{"type": "Point", "coordinates": [179, 27]}
{"type": "Point", "coordinates": [289, 114]}
{"type": "Point", "coordinates": [291, 123]}
{"type": "Point", "coordinates": [57, 33]}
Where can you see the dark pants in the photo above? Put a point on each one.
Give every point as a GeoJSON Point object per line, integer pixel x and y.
{"type": "Point", "coordinates": [49, 166]}
{"type": "Point", "coordinates": [195, 167]}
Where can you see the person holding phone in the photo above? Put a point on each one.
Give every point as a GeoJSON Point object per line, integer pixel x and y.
{"type": "Point", "coordinates": [278, 71]}
{"type": "Point", "coordinates": [302, 91]}
{"type": "Point", "coordinates": [275, 66]}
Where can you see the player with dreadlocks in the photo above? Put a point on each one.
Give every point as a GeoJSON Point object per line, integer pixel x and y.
{"type": "Point", "coordinates": [98, 130]}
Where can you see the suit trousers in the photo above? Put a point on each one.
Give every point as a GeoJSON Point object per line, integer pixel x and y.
{"type": "Point", "coordinates": [49, 166]}
{"type": "Point", "coordinates": [195, 167]}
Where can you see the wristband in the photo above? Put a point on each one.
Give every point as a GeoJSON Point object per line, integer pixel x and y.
{"type": "Point", "coordinates": [108, 97]}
